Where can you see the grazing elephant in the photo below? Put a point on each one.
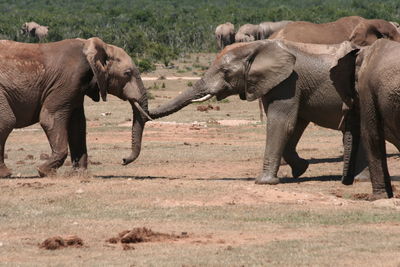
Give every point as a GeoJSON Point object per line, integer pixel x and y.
{"type": "Point", "coordinates": [35, 30]}
{"type": "Point", "coordinates": [225, 34]}
{"type": "Point", "coordinates": [356, 29]}
{"type": "Point", "coordinates": [46, 83]}
{"type": "Point", "coordinates": [293, 81]}
{"type": "Point", "coordinates": [375, 104]}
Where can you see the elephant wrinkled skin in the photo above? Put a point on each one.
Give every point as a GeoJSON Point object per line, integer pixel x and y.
{"type": "Point", "coordinates": [294, 83]}
{"type": "Point", "coordinates": [377, 102]}
{"type": "Point", "coordinates": [46, 83]}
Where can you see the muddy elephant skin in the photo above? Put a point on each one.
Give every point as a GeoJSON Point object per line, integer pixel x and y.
{"type": "Point", "coordinates": [46, 83]}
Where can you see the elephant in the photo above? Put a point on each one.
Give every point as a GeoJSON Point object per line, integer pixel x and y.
{"type": "Point", "coordinates": [35, 30]}
{"type": "Point", "coordinates": [46, 83]}
{"type": "Point", "coordinates": [225, 34]}
{"type": "Point", "coordinates": [373, 107]}
{"type": "Point", "coordinates": [356, 29]}
{"type": "Point", "coordinates": [253, 32]}
{"type": "Point", "coordinates": [292, 80]}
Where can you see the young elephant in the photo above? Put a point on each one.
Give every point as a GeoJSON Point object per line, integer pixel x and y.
{"type": "Point", "coordinates": [293, 81]}
{"type": "Point", "coordinates": [377, 99]}
{"type": "Point", "coordinates": [46, 83]}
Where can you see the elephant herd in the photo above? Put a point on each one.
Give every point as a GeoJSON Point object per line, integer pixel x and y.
{"type": "Point", "coordinates": [343, 75]}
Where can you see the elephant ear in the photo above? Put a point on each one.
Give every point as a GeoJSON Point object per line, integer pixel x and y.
{"type": "Point", "coordinates": [268, 65]}
{"type": "Point", "coordinates": [95, 51]}
{"type": "Point", "coordinates": [343, 74]}
{"type": "Point", "coordinates": [368, 31]}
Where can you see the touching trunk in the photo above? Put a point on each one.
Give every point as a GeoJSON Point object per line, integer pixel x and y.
{"type": "Point", "coordinates": [351, 142]}
{"type": "Point", "coordinates": [138, 123]}
{"type": "Point", "coordinates": [179, 102]}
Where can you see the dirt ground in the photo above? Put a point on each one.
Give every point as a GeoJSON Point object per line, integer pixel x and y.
{"type": "Point", "coordinates": [193, 183]}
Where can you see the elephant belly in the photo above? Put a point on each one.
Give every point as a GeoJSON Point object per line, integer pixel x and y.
{"type": "Point", "coordinates": [326, 112]}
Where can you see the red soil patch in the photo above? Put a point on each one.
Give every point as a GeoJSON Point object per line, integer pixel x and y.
{"type": "Point", "coordinates": [57, 242]}
{"type": "Point", "coordinates": [142, 234]}
{"type": "Point", "coordinates": [207, 108]}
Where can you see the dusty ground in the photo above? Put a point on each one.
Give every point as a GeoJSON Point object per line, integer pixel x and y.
{"type": "Point", "coordinates": [194, 178]}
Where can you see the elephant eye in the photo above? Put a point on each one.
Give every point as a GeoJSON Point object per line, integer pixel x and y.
{"type": "Point", "coordinates": [128, 73]}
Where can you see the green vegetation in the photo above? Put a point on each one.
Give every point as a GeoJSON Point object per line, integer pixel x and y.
{"type": "Point", "coordinates": [160, 30]}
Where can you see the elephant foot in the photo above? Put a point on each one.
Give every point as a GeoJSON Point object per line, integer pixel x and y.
{"type": "Point", "coordinates": [5, 172]}
{"type": "Point", "coordinates": [265, 179]}
{"type": "Point", "coordinates": [363, 176]}
{"type": "Point", "coordinates": [379, 195]}
{"type": "Point", "coordinates": [299, 168]}
{"type": "Point", "coordinates": [46, 171]}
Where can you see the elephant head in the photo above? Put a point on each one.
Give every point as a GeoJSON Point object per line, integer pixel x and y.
{"type": "Point", "coordinates": [248, 69]}
{"type": "Point", "coordinates": [115, 73]}
{"type": "Point", "coordinates": [368, 31]}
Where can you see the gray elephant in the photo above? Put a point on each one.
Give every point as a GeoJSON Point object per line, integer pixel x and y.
{"type": "Point", "coordinates": [33, 29]}
{"type": "Point", "coordinates": [254, 32]}
{"type": "Point", "coordinates": [46, 83]}
{"type": "Point", "coordinates": [294, 83]}
{"type": "Point", "coordinates": [373, 105]}
{"type": "Point", "coordinates": [225, 34]}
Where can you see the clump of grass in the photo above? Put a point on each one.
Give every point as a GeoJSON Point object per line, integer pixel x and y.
{"type": "Point", "coordinates": [190, 84]}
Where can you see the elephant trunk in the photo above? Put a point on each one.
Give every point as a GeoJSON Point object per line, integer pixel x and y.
{"type": "Point", "coordinates": [351, 142]}
{"type": "Point", "coordinates": [138, 122]}
{"type": "Point", "coordinates": [181, 101]}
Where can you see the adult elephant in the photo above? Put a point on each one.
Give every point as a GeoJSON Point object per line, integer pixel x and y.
{"type": "Point", "coordinates": [254, 32]}
{"type": "Point", "coordinates": [294, 83]}
{"type": "Point", "coordinates": [46, 83]}
{"type": "Point", "coordinates": [35, 30]}
{"type": "Point", "coordinates": [374, 100]}
{"type": "Point", "coordinates": [225, 34]}
{"type": "Point", "coordinates": [356, 29]}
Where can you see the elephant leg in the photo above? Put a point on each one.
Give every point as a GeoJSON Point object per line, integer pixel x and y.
{"type": "Point", "coordinates": [77, 138]}
{"type": "Point", "coordinates": [7, 124]}
{"type": "Point", "coordinates": [362, 170]}
{"type": "Point", "coordinates": [373, 138]}
{"type": "Point", "coordinates": [55, 126]}
{"type": "Point", "coordinates": [298, 165]}
{"type": "Point", "coordinates": [281, 121]}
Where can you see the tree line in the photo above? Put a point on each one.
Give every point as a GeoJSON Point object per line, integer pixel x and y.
{"type": "Point", "coordinates": [160, 30]}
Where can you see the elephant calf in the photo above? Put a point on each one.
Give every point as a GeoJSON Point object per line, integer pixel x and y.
{"type": "Point", "coordinates": [46, 83]}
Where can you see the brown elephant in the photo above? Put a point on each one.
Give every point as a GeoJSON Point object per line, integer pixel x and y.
{"type": "Point", "coordinates": [46, 83]}
{"type": "Point", "coordinates": [35, 30]}
{"type": "Point", "coordinates": [225, 34]}
{"type": "Point", "coordinates": [372, 104]}
{"type": "Point", "coordinates": [254, 32]}
{"type": "Point", "coordinates": [356, 29]}
{"type": "Point", "coordinates": [292, 80]}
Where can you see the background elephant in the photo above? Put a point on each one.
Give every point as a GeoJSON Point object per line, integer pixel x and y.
{"type": "Point", "coordinates": [253, 32]}
{"type": "Point", "coordinates": [268, 28]}
{"type": "Point", "coordinates": [225, 34]}
{"type": "Point", "coordinates": [248, 33]}
{"type": "Point", "coordinates": [293, 81]}
{"type": "Point", "coordinates": [35, 30]}
{"type": "Point", "coordinates": [377, 104]}
{"type": "Point", "coordinates": [46, 83]}
{"type": "Point", "coordinates": [356, 29]}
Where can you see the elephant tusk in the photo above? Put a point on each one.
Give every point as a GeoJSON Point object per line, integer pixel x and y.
{"type": "Point", "coordinates": [137, 105]}
{"type": "Point", "coordinates": [204, 98]}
